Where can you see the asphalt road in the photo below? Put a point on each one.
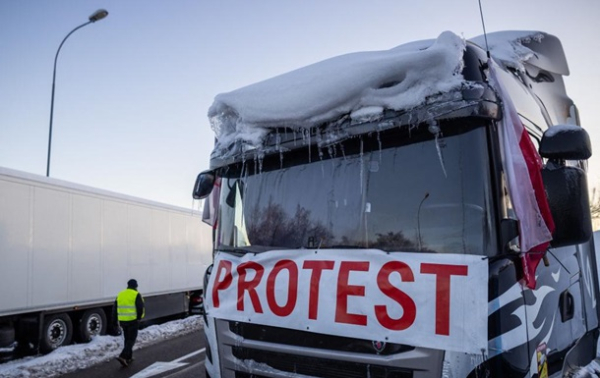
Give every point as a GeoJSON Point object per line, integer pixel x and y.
{"type": "Point", "coordinates": [181, 357]}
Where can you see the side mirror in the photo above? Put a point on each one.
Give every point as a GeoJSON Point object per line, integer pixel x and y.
{"type": "Point", "coordinates": [230, 199]}
{"type": "Point", "coordinates": [509, 229]}
{"type": "Point", "coordinates": [567, 192]}
{"type": "Point", "coordinates": [565, 142]}
{"type": "Point", "coordinates": [207, 274]}
{"type": "Point", "coordinates": [204, 184]}
{"type": "Point", "coordinates": [566, 186]}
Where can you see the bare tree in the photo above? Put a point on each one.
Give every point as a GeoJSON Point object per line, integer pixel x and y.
{"type": "Point", "coordinates": [595, 205]}
{"type": "Point", "coordinates": [270, 225]}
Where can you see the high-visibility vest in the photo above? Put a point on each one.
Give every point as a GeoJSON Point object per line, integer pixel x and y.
{"type": "Point", "coordinates": [126, 310]}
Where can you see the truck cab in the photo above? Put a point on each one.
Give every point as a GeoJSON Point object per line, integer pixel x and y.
{"type": "Point", "coordinates": [376, 230]}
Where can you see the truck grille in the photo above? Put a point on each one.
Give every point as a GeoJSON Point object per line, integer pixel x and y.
{"type": "Point", "coordinates": [316, 367]}
{"type": "Point", "coordinates": [305, 339]}
{"type": "Point", "coordinates": [239, 374]}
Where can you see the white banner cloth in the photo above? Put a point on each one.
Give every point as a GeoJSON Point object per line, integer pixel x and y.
{"type": "Point", "coordinates": [423, 299]}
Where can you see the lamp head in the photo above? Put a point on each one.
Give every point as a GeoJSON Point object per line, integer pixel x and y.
{"type": "Point", "coordinates": [98, 15]}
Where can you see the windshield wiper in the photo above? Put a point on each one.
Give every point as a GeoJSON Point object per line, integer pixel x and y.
{"type": "Point", "coordinates": [342, 246]}
{"type": "Point", "coordinates": [247, 249]}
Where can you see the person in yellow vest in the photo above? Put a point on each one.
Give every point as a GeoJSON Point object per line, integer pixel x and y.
{"type": "Point", "coordinates": [129, 309]}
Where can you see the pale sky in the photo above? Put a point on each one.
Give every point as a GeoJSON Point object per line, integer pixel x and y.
{"type": "Point", "coordinates": [133, 90]}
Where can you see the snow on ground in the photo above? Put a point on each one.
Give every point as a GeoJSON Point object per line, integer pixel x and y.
{"type": "Point", "coordinates": [102, 348]}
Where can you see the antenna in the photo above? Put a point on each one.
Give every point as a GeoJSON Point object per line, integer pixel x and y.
{"type": "Point", "coordinates": [487, 48]}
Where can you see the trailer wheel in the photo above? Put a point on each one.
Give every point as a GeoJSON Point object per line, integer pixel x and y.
{"type": "Point", "coordinates": [7, 336]}
{"type": "Point", "coordinates": [57, 331]}
{"type": "Point", "coordinates": [92, 323]}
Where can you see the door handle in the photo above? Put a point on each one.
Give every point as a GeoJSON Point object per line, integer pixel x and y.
{"type": "Point", "coordinates": [567, 306]}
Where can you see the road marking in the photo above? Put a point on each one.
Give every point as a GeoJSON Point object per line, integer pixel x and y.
{"type": "Point", "coordinates": [189, 355]}
{"type": "Point", "coordinates": [158, 368]}
{"type": "Point", "coordinates": [161, 367]}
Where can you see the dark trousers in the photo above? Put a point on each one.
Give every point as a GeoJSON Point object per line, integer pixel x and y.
{"type": "Point", "coordinates": [130, 332]}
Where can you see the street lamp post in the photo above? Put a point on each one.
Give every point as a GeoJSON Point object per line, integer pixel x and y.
{"type": "Point", "coordinates": [96, 16]}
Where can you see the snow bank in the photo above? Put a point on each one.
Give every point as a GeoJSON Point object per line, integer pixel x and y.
{"type": "Point", "coordinates": [102, 348]}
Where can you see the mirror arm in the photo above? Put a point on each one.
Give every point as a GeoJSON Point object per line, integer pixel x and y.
{"type": "Point", "coordinates": [509, 229]}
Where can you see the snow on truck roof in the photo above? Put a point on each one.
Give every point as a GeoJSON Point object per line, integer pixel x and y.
{"type": "Point", "coordinates": [362, 83]}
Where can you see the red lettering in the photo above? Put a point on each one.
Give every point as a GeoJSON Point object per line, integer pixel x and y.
{"type": "Point", "coordinates": [222, 284]}
{"type": "Point", "coordinates": [443, 274]}
{"type": "Point", "coordinates": [249, 286]}
{"type": "Point", "coordinates": [408, 305]}
{"type": "Point", "coordinates": [292, 293]}
{"type": "Point", "coordinates": [344, 290]}
{"type": "Point", "coordinates": [317, 268]}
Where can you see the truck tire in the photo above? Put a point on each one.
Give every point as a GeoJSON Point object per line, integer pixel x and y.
{"type": "Point", "coordinates": [92, 323]}
{"type": "Point", "coordinates": [7, 336]}
{"type": "Point", "coordinates": [56, 332]}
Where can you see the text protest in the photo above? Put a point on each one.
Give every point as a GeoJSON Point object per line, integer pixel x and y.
{"type": "Point", "coordinates": [422, 299]}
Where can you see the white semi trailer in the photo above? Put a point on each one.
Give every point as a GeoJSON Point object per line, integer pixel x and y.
{"type": "Point", "coordinates": [66, 251]}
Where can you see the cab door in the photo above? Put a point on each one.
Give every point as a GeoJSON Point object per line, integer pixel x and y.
{"type": "Point", "coordinates": [555, 309]}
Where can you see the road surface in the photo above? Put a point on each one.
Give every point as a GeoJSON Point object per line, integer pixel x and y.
{"type": "Point", "coordinates": [181, 357]}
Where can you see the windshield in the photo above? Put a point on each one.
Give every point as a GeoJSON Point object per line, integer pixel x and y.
{"type": "Point", "coordinates": [432, 195]}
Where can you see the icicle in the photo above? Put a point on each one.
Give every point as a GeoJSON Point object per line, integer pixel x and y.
{"type": "Point", "coordinates": [435, 130]}
{"type": "Point", "coordinates": [244, 168]}
{"type": "Point", "coordinates": [333, 156]}
{"type": "Point", "coordinates": [244, 159]}
{"type": "Point", "coordinates": [260, 162]}
{"type": "Point", "coordinates": [362, 168]}
{"type": "Point", "coordinates": [309, 145]}
{"type": "Point", "coordinates": [380, 148]}
{"type": "Point", "coordinates": [277, 140]}
{"type": "Point", "coordinates": [409, 123]}
{"type": "Point", "coordinates": [278, 148]}
{"type": "Point", "coordinates": [320, 150]}
{"type": "Point", "coordinates": [306, 140]}
{"type": "Point", "coordinates": [343, 151]}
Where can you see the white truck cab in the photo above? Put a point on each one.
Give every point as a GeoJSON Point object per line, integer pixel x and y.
{"type": "Point", "coordinates": [411, 213]}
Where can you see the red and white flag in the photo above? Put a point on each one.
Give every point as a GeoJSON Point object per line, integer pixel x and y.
{"type": "Point", "coordinates": [523, 166]}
